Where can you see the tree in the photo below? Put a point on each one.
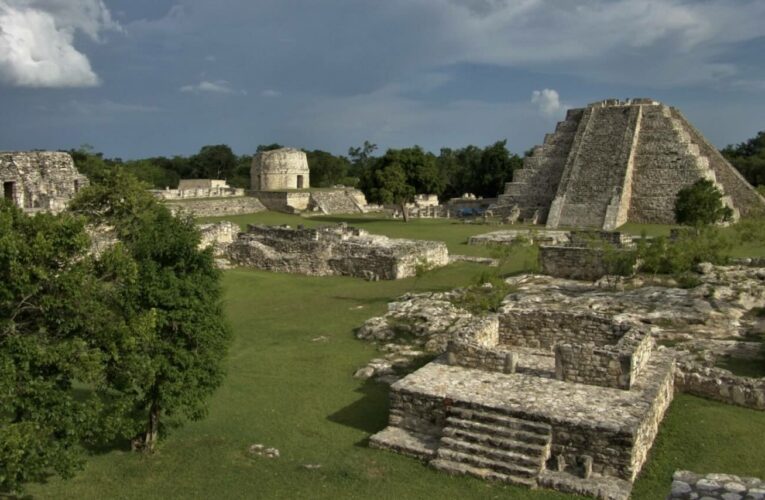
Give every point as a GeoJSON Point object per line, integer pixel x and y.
{"type": "Point", "coordinates": [399, 174]}
{"type": "Point", "coordinates": [53, 302]}
{"type": "Point", "coordinates": [326, 168]}
{"type": "Point", "coordinates": [361, 157]}
{"type": "Point", "coordinates": [214, 162]}
{"type": "Point", "coordinates": [268, 147]}
{"type": "Point", "coordinates": [172, 359]}
{"type": "Point", "coordinates": [749, 158]}
{"type": "Point", "coordinates": [701, 204]}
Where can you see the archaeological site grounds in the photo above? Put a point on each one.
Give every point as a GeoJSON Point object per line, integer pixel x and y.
{"type": "Point", "coordinates": [466, 348]}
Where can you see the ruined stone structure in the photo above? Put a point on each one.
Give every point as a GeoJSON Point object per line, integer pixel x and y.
{"type": "Point", "coordinates": [689, 486]}
{"type": "Point", "coordinates": [587, 255]}
{"type": "Point", "coordinates": [570, 401]}
{"type": "Point", "coordinates": [40, 180]}
{"type": "Point", "coordinates": [334, 250]}
{"type": "Point", "coordinates": [615, 161]}
{"type": "Point", "coordinates": [213, 207]}
{"type": "Point", "coordinates": [279, 169]}
{"type": "Point", "coordinates": [198, 188]}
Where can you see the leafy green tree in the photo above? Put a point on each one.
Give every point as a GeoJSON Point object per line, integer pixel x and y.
{"type": "Point", "coordinates": [749, 158]}
{"type": "Point", "coordinates": [701, 204]}
{"type": "Point", "coordinates": [214, 162]}
{"type": "Point", "coordinates": [164, 370]}
{"type": "Point", "coordinates": [53, 302]}
{"type": "Point", "coordinates": [326, 168]}
{"type": "Point", "coordinates": [361, 158]}
{"type": "Point", "coordinates": [268, 147]}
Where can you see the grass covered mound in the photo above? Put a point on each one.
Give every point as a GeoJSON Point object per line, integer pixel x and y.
{"type": "Point", "coordinates": [289, 385]}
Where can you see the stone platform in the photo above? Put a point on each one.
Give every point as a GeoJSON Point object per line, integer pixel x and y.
{"type": "Point", "coordinates": [528, 427]}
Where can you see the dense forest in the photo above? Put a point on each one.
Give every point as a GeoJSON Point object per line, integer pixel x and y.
{"type": "Point", "coordinates": [397, 174]}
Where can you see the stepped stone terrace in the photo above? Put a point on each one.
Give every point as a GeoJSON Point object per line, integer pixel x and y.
{"type": "Point", "coordinates": [334, 250]}
{"type": "Point", "coordinates": [569, 401]}
{"type": "Point", "coordinates": [617, 161]}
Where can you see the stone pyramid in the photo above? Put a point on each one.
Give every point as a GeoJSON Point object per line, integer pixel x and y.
{"type": "Point", "coordinates": [617, 161]}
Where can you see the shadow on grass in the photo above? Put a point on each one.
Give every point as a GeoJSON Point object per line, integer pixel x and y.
{"type": "Point", "coordinates": [368, 414]}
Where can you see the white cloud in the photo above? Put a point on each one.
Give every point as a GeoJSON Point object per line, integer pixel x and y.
{"type": "Point", "coordinates": [270, 93]}
{"type": "Point", "coordinates": [37, 41]}
{"type": "Point", "coordinates": [547, 101]}
{"type": "Point", "coordinates": [213, 87]}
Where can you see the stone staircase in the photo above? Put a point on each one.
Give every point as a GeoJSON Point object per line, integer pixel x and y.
{"type": "Point", "coordinates": [491, 445]}
{"type": "Point", "coordinates": [534, 186]}
{"type": "Point", "coordinates": [666, 160]}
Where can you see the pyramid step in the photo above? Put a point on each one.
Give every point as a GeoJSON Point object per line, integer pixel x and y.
{"type": "Point", "coordinates": [533, 461]}
{"type": "Point", "coordinates": [497, 436]}
{"type": "Point", "coordinates": [451, 467]}
{"type": "Point", "coordinates": [500, 419]}
{"type": "Point", "coordinates": [509, 468]}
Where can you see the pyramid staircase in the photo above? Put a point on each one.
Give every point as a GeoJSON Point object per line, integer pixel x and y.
{"type": "Point", "coordinates": [491, 445]}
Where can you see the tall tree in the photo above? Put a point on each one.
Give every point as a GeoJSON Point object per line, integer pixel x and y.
{"type": "Point", "coordinates": [214, 162]}
{"type": "Point", "coordinates": [53, 302]}
{"type": "Point", "coordinates": [175, 360]}
{"type": "Point", "coordinates": [326, 168]}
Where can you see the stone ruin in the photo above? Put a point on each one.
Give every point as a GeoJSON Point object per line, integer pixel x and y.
{"type": "Point", "coordinates": [279, 169]}
{"type": "Point", "coordinates": [564, 387]}
{"type": "Point", "coordinates": [40, 181]}
{"type": "Point", "coordinates": [617, 161]}
{"type": "Point", "coordinates": [334, 250]}
{"type": "Point", "coordinates": [280, 179]}
{"type": "Point", "coordinates": [569, 401]}
{"type": "Point", "coordinates": [198, 188]}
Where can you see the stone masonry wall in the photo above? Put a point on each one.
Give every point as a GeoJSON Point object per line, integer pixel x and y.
{"type": "Point", "coordinates": [284, 201]}
{"type": "Point", "coordinates": [474, 355]}
{"type": "Point", "coordinates": [337, 201]}
{"type": "Point", "coordinates": [720, 385]}
{"type": "Point", "coordinates": [40, 180]}
{"type": "Point", "coordinates": [279, 169]}
{"type": "Point", "coordinates": [216, 207]}
{"type": "Point", "coordinates": [579, 263]}
{"type": "Point", "coordinates": [544, 329]}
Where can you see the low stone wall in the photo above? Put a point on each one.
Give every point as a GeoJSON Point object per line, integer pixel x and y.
{"type": "Point", "coordinates": [721, 385]}
{"type": "Point", "coordinates": [659, 396]}
{"type": "Point", "coordinates": [614, 366]}
{"type": "Point", "coordinates": [474, 355]}
{"type": "Point", "coordinates": [417, 412]}
{"type": "Point", "coordinates": [214, 207]}
{"type": "Point", "coordinates": [218, 235]}
{"type": "Point", "coordinates": [687, 485]}
{"type": "Point", "coordinates": [506, 237]}
{"type": "Point", "coordinates": [544, 329]}
{"type": "Point", "coordinates": [576, 262]}
{"type": "Point", "coordinates": [284, 201]}
{"type": "Point", "coordinates": [199, 192]}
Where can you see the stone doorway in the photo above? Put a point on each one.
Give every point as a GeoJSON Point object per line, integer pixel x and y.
{"type": "Point", "coordinates": [9, 188]}
{"type": "Point", "coordinates": [300, 182]}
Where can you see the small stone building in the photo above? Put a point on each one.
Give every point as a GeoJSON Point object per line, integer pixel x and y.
{"type": "Point", "coordinates": [279, 169]}
{"type": "Point", "coordinates": [186, 184]}
{"type": "Point", "coordinates": [40, 181]}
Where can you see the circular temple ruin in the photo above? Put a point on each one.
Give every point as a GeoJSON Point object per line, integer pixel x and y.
{"type": "Point", "coordinates": [279, 170]}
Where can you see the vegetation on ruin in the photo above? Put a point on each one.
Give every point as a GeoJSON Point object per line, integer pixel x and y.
{"type": "Point", "coordinates": [701, 204]}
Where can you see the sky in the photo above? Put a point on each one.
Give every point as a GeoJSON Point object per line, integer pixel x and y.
{"type": "Point", "coordinates": [139, 78]}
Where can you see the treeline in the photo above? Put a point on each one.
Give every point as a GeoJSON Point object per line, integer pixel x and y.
{"type": "Point", "coordinates": [749, 159]}
{"type": "Point", "coordinates": [472, 169]}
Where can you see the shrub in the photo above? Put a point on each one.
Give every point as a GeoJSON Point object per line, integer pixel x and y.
{"type": "Point", "coordinates": [701, 204]}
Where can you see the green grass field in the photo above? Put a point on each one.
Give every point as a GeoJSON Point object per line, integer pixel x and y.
{"type": "Point", "coordinates": [290, 386]}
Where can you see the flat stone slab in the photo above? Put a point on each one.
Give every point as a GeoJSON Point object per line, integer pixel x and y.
{"type": "Point", "coordinates": [600, 487]}
{"type": "Point", "coordinates": [406, 442]}
{"type": "Point", "coordinates": [544, 399]}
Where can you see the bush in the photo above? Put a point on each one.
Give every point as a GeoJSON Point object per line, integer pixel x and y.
{"type": "Point", "coordinates": [701, 204]}
{"type": "Point", "coordinates": [681, 254]}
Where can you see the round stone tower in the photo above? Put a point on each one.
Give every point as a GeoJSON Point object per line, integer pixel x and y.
{"type": "Point", "coordinates": [280, 169]}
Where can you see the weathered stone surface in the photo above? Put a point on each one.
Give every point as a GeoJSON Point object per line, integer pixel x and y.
{"type": "Point", "coordinates": [615, 161]}
{"type": "Point", "coordinates": [509, 236]}
{"type": "Point", "coordinates": [40, 180]}
{"type": "Point", "coordinates": [218, 235]}
{"type": "Point", "coordinates": [234, 205]}
{"type": "Point", "coordinates": [688, 485]}
{"type": "Point", "coordinates": [334, 250]}
{"type": "Point", "coordinates": [280, 169]}
{"type": "Point", "coordinates": [198, 188]}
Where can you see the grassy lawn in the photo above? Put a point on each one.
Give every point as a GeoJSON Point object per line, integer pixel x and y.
{"type": "Point", "coordinates": [290, 386]}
